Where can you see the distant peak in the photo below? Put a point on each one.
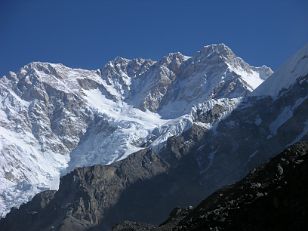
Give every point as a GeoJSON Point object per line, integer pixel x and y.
{"type": "Point", "coordinates": [173, 57]}
{"type": "Point", "coordinates": [35, 64]}
{"type": "Point", "coordinates": [38, 63]}
{"type": "Point", "coordinates": [42, 66]}
{"type": "Point", "coordinates": [125, 61]}
{"type": "Point", "coordinates": [120, 59]}
{"type": "Point", "coordinates": [220, 49]}
{"type": "Point", "coordinates": [217, 45]}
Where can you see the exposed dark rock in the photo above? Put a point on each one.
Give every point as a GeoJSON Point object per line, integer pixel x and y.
{"type": "Point", "coordinates": [266, 199]}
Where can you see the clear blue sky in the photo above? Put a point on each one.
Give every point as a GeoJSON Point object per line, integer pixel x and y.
{"type": "Point", "coordinates": [87, 33]}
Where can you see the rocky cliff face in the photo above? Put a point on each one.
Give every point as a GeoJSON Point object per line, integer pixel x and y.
{"type": "Point", "coordinates": [270, 197]}
{"type": "Point", "coordinates": [54, 118]}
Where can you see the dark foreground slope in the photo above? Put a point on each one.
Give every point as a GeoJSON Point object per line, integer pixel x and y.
{"type": "Point", "coordinates": [272, 197]}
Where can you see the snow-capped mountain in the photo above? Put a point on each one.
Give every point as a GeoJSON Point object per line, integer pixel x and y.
{"type": "Point", "coordinates": [54, 118]}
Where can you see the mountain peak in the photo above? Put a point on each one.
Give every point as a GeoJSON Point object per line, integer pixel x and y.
{"type": "Point", "coordinates": [220, 49]}
{"type": "Point", "coordinates": [40, 65]}
{"type": "Point", "coordinates": [219, 58]}
{"type": "Point", "coordinates": [175, 55]}
{"type": "Point", "coordinates": [173, 61]}
{"type": "Point", "coordinates": [120, 59]}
